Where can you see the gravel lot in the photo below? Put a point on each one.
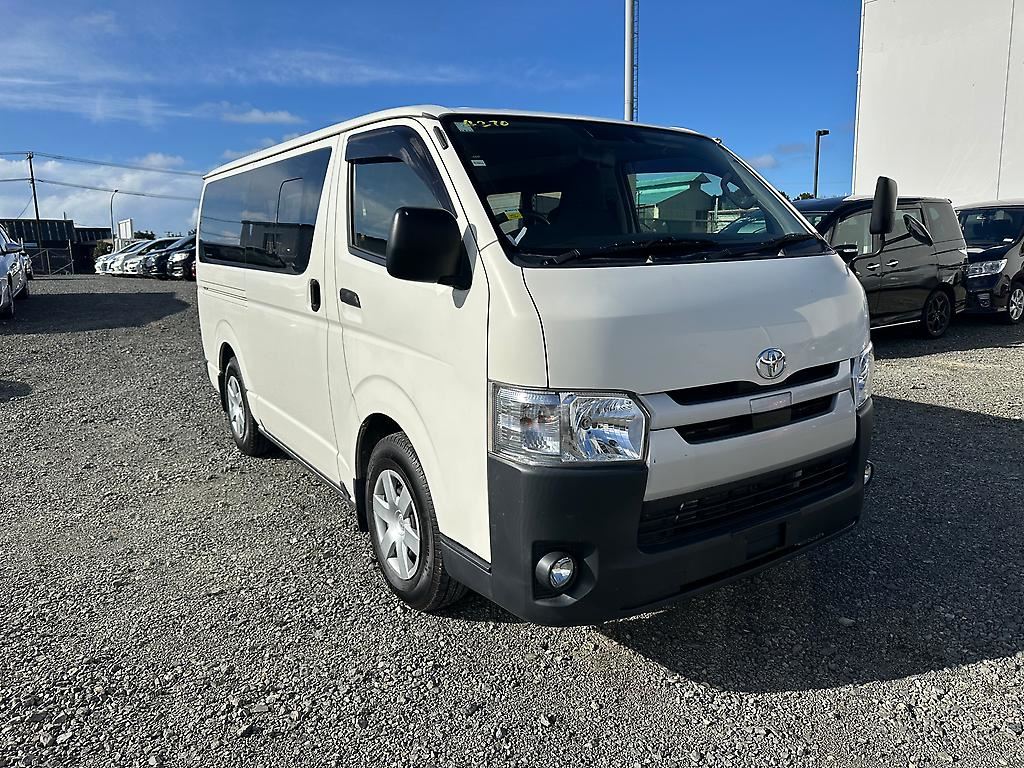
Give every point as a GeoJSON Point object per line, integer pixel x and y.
{"type": "Point", "coordinates": [168, 601]}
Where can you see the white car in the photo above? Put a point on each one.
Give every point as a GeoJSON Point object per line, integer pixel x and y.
{"type": "Point", "coordinates": [13, 274]}
{"type": "Point", "coordinates": [103, 263]}
{"type": "Point", "coordinates": [527, 348]}
{"type": "Point", "coordinates": [119, 263]}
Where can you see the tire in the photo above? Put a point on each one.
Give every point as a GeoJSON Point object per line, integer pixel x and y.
{"type": "Point", "coordinates": [8, 312]}
{"type": "Point", "coordinates": [937, 314]}
{"type": "Point", "coordinates": [1014, 304]}
{"type": "Point", "coordinates": [416, 571]}
{"type": "Point", "coordinates": [241, 424]}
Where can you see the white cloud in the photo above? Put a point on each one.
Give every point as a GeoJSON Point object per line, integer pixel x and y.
{"type": "Point", "coordinates": [255, 116]}
{"type": "Point", "coordinates": [92, 207]}
{"type": "Point", "coordinates": [764, 162]}
{"type": "Point", "coordinates": [160, 160]}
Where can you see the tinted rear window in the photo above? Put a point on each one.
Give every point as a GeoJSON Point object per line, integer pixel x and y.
{"type": "Point", "coordinates": [264, 218]}
{"type": "Point", "coordinates": [942, 222]}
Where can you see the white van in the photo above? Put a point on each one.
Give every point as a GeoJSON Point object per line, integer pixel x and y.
{"type": "Point", "coordinates": [538, 355]}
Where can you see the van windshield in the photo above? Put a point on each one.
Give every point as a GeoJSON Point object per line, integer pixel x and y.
{"type": "Point", "coordinates": [567, 188]}
{"type": "Point", "coordinates": [988, 227]}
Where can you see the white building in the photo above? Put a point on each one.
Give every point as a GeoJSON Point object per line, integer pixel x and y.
{"type": "Point", "coordinates": [940, 98]}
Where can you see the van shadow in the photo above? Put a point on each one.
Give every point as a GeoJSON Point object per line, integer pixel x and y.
{"type": "Point", "coordinates": [932, 578]}
{"type": "Point", "coordinates": [79, 312]}
{"type": "Point", "coordinates": [12, 390]}
{"type": "Point", "coordinates": [967, 332]}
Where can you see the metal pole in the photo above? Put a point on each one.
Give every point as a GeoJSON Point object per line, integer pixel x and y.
{"type": "Point", "coordinates": [630, 94]}
{"type": "Point", "coordinates": [35, 203]}
{"type": "Point", "coordinates": [113, 242]}
{"type": "Point", "coordinates": [817, 156]}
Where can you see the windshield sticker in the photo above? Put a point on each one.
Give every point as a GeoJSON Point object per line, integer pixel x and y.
{"type": "Point", "coordinates": [464, 126]}
{"type": "Point", "coordinates": [471, 124]}
{"type": "Point", "coordinates": [478, 162]}
{"type": "Point", "coordinates": [510, 215]}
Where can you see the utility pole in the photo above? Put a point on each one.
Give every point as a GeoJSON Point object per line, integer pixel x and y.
{"type": "Point", "coordinates": [817, 155]}
{"type": "Point", "coordinates": [35, 203]}
{"type": "Point", "coordinates": [113, 242]}
{"type": "Point", "coordinates": [631, 69]}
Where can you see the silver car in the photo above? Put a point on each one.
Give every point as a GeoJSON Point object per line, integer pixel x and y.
{"type": "Point", "coordinates": [13, 277]}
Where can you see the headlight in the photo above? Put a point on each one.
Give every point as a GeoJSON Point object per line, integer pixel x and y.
{"type": "Point", "coordinates": [862, 375]}
{"type": "Point", "coordinates": [539, 426]}
{"type": "Point", "coordinates": [180, 255]}
{"type": "Point", "coordinates": [981, 268]}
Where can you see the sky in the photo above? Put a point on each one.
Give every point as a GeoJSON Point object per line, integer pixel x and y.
{"type": "Point", "coordinates": [188, 85]}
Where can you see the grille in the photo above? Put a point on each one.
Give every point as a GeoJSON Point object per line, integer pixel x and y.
{"type": "Point", "coordinates": [751, 423]}
{"type": "Point", "coordinates": [730, 389]}
{"type": "Point", "coordinates": [668, 522]}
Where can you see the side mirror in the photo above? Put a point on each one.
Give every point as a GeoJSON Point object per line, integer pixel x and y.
{"type": "Point", "coordinates": [918, 230]}
{"type": "Point", "coordinates": [425, 246]}
{"type": "Point", "coordinates": [883, 209]}
{"type": "Point", "coordinates": [847, 251]}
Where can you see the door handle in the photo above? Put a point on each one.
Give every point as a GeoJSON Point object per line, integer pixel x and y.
{"type": "Point", "coordinates": [892, 263]}
{"type": "Point", "coordinates": [314, 295]}
{"type": "Point", "coordinates": [349, 297]}
{"type": "Point", "coordinates": [872, 267]}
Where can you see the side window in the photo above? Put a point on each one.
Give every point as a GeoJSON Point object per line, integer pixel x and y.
{"type": "Point", "coordinates": [900, 227]}
{"type": "Point", "coordinates": [942, 222]}
{"type": "Point", "coordinates": [264, 218]}
{"type": "Point", "coordinates": [390, 169]}
{"type": "Point", "coordinates": [855, 230]}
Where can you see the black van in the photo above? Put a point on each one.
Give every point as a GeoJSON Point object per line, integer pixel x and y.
{"type": "Point", "coordinates": [995, 275]}
{"type": "Point", "coordinates": [919, 277]}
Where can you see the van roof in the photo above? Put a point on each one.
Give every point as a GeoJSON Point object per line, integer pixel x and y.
{"type": "Point", "coordinates": [1016, 203]}
{"type": "Point", "coordinates": [421, 110]}
{"type": "Point", "coordinates": [829, 204]}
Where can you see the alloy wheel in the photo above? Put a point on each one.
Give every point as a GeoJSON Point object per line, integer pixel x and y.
{"type": "Point", "coordinates": [236, 409]}
{"type": "Point", "coordinates": [1015, 305]}
{"type": "Point", "coordinates": [938, 314]}
{"type": "Point", "coordinates": [397, 523]}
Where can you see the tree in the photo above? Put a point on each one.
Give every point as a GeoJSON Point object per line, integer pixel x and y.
{"type": "Point", "coordinates": [144, 234]}
{"type": "Point", "coordinates": [102, 248]}
{"type": "Point", "coordinates": [805, 196]}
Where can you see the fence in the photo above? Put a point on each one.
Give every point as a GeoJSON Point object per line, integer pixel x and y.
{"type": "Point", "coordinates": [51, 261]}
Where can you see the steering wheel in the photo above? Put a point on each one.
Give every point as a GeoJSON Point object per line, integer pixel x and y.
{"type": "Point", "coordinates": [536, 217]}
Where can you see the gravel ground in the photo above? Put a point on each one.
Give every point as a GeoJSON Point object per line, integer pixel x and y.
{"type": "Point", "coordinates": [167, 601]}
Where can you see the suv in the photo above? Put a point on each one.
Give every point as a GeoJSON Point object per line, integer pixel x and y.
{"type": "Point", "coordinates": [995, 275]}
{"type": "Point", "coordinates": [916, 274]}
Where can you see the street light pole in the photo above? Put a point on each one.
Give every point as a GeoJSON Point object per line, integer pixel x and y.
{"type": "Point", "coordinates": [817, 155]}
{"type": "Point", "coordinates": [112, 241]}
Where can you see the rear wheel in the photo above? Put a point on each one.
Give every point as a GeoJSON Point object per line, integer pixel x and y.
{"type": "Point", "coordinates": [1014, 304]}
{"type": "Point", "coordinates": [937, 314]}
{"type": "Point", "coordinates": [243, 426]}
{"type": "Point", "coordinates": [403, 527]}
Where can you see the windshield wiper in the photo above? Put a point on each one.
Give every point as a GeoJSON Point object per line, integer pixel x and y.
{"type": "Point", "coordinates": [770, 245]}
{"type": "Point", "coordinates": [685, 245]}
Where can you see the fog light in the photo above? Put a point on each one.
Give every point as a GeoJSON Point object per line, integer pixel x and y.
{"type": "Point", "coordinates": [556, 570]}
{"type": "Point", "coordinates": [869, 472]}
{"type": "Point", "coordinates": [985, 299]}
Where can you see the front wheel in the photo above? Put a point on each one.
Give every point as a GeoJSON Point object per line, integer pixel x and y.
{"type": "Point", "coordinates": [1014, 304]}
{"type": "Point", "coordinates": [243, 426]}
{"type": "Point", "coordinates": [403, 527]}
{"type": "Point", "coordinates": [8, 312]}
{"type": "Point", "coordinates": [937, 314]}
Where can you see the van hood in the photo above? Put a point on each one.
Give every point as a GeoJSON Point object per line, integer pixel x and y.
{"type": "Point", "coordinates": [656, 328]}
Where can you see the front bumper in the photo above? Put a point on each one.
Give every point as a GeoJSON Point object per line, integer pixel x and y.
{"type": "Point", "coordinates": [988, 294]}
{"type": "Point", "coordinates": [594, 514]}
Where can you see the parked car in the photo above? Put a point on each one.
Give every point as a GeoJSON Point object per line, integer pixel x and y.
{"type": "Point", "coordinates": [13, 278]}
{"type": "Point", "coordinates": [105, 264]}
{"type": "Point", "coordinates": [182, 264]}
{"type": "Point", "coordinates": [919, 274]}
{"type": "Point", "coordinates": [155, 264]}
{"type": "Point", "coordinates": [550, 379]}
{"type": "Point", "coordinates": [994, 233]}
{"type": "Point", "coordinates": [130, 263]}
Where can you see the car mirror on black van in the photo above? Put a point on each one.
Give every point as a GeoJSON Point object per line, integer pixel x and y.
{"type": "Point", "coordinates": [917, 230]}
{"type": "Point", "coordinates": [425, 246]}
{"type": "Point", "coordinates": [883, 209]}
{"type": "Point", "coordinates": [847, 251]}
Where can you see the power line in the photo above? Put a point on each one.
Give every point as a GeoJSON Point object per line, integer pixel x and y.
{"type": "Point", "coordinates": [119, 191]}
{"type": "Point", "coordinates": [21, 178]}
{"type": "Point", "coordinates": [128, 166]}
{"type": "Point", "coordinates": [25, 208]}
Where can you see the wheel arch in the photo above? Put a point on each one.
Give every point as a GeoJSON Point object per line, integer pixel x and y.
{"type": "Point", "coordinates": [374, 428]}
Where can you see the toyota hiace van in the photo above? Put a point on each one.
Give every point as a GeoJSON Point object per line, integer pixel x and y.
{"type": "Point", "coordinates": [537, 357]}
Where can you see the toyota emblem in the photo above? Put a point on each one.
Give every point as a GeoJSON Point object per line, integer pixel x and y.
{"type": "Point", "coordinates": [771, 363]}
